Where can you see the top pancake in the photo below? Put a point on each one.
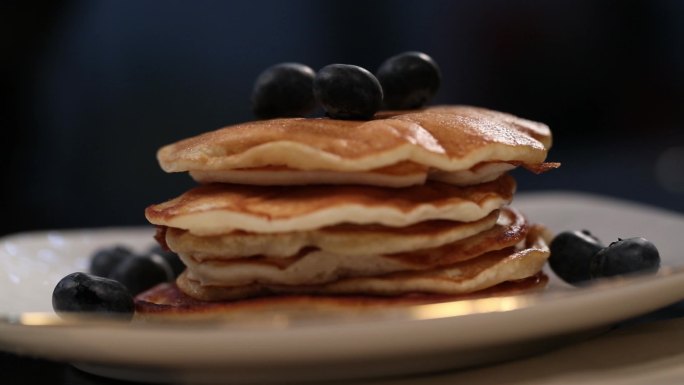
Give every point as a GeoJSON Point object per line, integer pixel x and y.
{"type": "Point", "coordinates": [446, 138]}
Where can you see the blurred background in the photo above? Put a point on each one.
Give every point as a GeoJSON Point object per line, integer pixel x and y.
{"type": "Point", "coordinates": [94, 88]}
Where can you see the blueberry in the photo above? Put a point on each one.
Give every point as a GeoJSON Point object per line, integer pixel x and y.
{"type": "Point", "coordinates": [103, 261]}
{"type": "Point", "coordinates": [141, 272]}
{"type": "Point", "coordinates": [347, 91]}
{"type": "Point", "coordinates": [409, 80]}
{"type": "Point", "coordinates": [626, 256]}
{"type": "Point", "coordinates": [171, 259]}
{"type": "Point", "coordinates": [81, 292]}
{"type": "Point", "coordinates": [571, 254]}
{"type": "Point", "coordinates": [283, 90]}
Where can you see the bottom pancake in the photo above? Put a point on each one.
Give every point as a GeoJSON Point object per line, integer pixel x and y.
{"type": "Point", "coordinates": [168, 300]}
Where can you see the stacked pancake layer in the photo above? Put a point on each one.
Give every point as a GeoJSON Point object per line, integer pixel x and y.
{"type": "Point", "coordinates": [406, 203]}
{"type": "Point", "coordinates": [456, 144]}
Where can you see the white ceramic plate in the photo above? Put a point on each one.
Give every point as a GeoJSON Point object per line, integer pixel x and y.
{"type": "Point", "coordinates": [286, 348]}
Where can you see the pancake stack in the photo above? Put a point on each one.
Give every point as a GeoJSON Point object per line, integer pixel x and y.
{"type": "Point", "coordinates": [408, 204]}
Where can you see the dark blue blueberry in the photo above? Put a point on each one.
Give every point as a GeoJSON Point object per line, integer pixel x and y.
{"type": "Point", "coordinates": [626, 256]}
{"type": "Point", "coordinates": [103, 262]}
{"type": "Point", "coordinates": [409, 80]}
{"type": "Point", "coordinates": [571, 254]}
{"type": "Point", "coordinates": [81, 292]}
{"type": "Point", "coordinates": [171, 258]}
{"type": "Point", "coordinates": [283, 90]}
{"type": "Point", "coordinates": [142, 272]}
{"type": "Point", "coordinates": [347, 91]}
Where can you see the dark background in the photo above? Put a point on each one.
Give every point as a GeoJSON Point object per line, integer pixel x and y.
{"type": "Point", "coordinates": [93, 88]}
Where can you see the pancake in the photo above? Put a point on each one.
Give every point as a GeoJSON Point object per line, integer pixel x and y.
{"type": "Point", "coordinates": [475, 274]}
{"type": "Point", "coordinates": [312, 266]}
{"type": "Point", "coordinates": [480, 173]}
{"type": "Point", "coordinates": [350, 240]}
{"type": "Point", "coordinates": [167, 299]}
{"type": "Point", "coordinates": [301, 213]}
{"type": "Point", "coordinates": [399, 175]}
{"type": "Point", "coordinates": [487, 270]}
{"type": "Point", "coordinates": [221, 208]}
{"type": "Point", "coordinates": [447, 138]}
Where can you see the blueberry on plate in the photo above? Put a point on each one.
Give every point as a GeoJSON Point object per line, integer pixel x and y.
{"type": "Point", "coordinates": [81, 292]}
{"type": "Point", "coordinates": [409, 80]}
{"type": "Point", "coordinates": [571, 255]}
{"type": "Point", "coordinates": [142, 272]}
{"type": "Point", "coordinates": [347, 91]}
{"type": "Point", "coordinates": [177, 266]}
{"type": "Point", "coordinates": [283, 90]}
{"type": "Point", "coordinates": [626, 256]}
{"type": "Point", "coordinates": [103, 261]}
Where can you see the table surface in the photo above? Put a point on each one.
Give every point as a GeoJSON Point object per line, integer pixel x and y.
{"type": "Point", "coordinates": [645, 350]}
